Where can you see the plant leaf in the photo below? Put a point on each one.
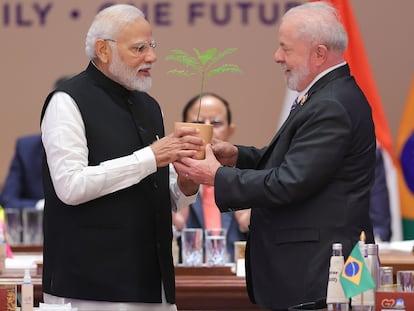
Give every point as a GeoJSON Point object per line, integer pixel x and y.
{"type": "Point", "coordinates": [207, 56]}
{"type": "Point", "coordinates": [201, 64]}
{"type": "Point", "coordinates": [184, 73]}
{"type": "Point", "coordinates": [221, 55]}
{"type": "Point", "coordinates": [184, 58]}
{"type": "Point", "coordinates": [224, 68]}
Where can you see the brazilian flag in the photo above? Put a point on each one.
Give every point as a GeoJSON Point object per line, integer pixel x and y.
{"type": "Point", "coordinates": [355, 277]}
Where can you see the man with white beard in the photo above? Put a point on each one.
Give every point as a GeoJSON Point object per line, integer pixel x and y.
{"type": "Point", "coordinates": [107, 181]}
{"type": "Point", "coordinates": [310, 186]}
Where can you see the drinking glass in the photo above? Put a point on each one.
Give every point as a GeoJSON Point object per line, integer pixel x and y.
{"type": "Point", "coordinates": [192, 246]}
{"type": "Point", "coordinates": [32, 226]}
{"type": "Point", "coordinates": [215, 246]}
{"type": "Point", "coordinates": [13, 226]}
{"type": "Point", "coordinates": [386, 279]}
{"type": "Point", "coordinates": [405, 280]}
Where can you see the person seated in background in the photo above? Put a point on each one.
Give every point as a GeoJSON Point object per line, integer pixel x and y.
{"type": "Point", "coordinates": [379, 210]}
{"type": "Point", "coordinates": [203, 213]}
{"type": "Point", "coordinates": [23, 186]}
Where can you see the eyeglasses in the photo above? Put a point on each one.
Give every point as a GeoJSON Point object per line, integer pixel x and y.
{"type": "Point", "coordinates": [140, 47]}
{"type": "Point", "coordinates": [214, 123]}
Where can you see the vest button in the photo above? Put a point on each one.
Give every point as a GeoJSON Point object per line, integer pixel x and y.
{"type": "Point", "coordinates": [155, 185]}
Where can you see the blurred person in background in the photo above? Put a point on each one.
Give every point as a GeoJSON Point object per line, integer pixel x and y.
{"type": "Point", "coordinates": [379, 210]}
{"type": "Point", "coordinates": [23, 185]}
{"type": "Point", "coordinates": [23, 188]}
{"type": "Point", "coordinates": [204, 213]}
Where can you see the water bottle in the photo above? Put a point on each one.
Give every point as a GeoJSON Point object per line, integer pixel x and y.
{"type": "Point", "coordinates": [335, 297]}
{"type": "Point", "coordinates": [27, 292]}
{"type": "Point", "coordinates": [373, 263]}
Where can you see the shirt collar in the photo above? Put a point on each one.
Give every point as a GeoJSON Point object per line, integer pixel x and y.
{"type": "Point", "coordinates": [320, 75]}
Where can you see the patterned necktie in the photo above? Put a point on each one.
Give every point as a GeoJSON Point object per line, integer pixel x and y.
{"type": "Point", "coordinates": [295, 103]}
{"type": "Point", "coordinates": [212, 217]}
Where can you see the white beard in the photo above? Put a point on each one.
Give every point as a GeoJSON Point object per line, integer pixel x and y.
{"type": "Point", "coordinates": [128, 76]}
{"type": "Point", "coordinates": [296, 76]}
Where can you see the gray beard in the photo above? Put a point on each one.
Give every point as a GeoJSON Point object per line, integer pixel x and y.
{"type": "Point", "coordinates": [127, 76]}
{"type": "Point", "coordinates": [293, 81]}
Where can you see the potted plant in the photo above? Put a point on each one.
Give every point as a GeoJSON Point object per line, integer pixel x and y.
{"type": "Point", "coordinates": [202, 64]}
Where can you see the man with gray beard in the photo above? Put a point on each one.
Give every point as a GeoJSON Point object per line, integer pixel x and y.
{"type": "Point", "coordinates": [108, 186]}
{"type": "Point", "coordinates": [310, 186]}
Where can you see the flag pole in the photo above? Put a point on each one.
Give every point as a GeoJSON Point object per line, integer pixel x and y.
{"type": "Point", "coordinates": [362, 239]}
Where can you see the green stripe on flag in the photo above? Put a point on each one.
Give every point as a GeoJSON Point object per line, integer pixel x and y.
{"type": "Point", "coordinates": [408, 228]}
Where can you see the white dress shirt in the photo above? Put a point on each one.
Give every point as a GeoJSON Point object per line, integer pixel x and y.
{"type": "Point", "coordinates": [64, 140]}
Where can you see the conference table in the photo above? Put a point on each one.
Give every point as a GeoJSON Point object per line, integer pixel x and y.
{"type": "Point", "coordinates": [203, 288]}
{"type": "Point", "coordinates": [211, 288]}
{"type": "Point", "coordinates": [197, 288]}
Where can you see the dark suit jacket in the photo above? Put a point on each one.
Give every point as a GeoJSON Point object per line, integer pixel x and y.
{"type": "Point", "coordinates": [308, 189]}
{"type": "Point", "coordinates": [23, 186]}
{"type": "Point", "coordinates": [228, 221]}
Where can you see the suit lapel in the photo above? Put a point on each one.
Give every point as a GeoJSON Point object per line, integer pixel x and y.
{"type": "Point", "coordinates": [271, 146]}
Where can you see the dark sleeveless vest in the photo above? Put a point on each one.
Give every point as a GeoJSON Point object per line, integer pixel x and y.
{"type": "Point", "coordinates": [116, 247]}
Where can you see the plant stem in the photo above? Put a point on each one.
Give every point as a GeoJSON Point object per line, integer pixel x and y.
{"type": "Point", "coordinates": [201, 93]}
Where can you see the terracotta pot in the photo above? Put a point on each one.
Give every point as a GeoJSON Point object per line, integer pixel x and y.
{"type": "Point", "coordinates": [206, 132]}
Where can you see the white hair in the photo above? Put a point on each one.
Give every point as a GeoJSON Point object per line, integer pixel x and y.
{"type": "Point", "coordinates": [108, 23]}
{"type": "Point", "coordinates": [319, 23]}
